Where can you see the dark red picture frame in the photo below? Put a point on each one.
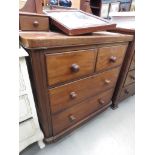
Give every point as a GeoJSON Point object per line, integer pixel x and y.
{"type": "Point", "coordinates": [82, 30]}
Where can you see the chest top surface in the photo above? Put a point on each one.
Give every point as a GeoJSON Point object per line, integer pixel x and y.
{"type": "Point", "coordinates": [45, 40]}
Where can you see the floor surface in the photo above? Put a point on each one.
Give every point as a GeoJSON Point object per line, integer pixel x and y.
{"type": "Point", "coordinates": [110, 133]}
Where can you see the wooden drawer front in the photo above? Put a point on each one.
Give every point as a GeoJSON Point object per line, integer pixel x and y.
{"type": "Point", "coordinates": [76, 113]}
{"type": "Point", "coordinates": [64, 96]}
{"type": "Point", "coordinates": [127, 91]}
{"type": "Point", "coordinates": [130, 78]}
{"type": "Point", "coordinates": [33, 23]}
{"type": "Point", "coordinates": [132, 65]}
{"type": "Point", "coordinates": [62, 67]}
{"type": "Point", "coordinates": [24, 108]}
{"type": "Point", "coordinates": [26, 129]}
{"type": "Point", "coordinates": [110, 56]}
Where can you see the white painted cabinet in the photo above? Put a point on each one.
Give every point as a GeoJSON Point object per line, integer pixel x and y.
{"type": "Point", "coordinates": [29, 129]}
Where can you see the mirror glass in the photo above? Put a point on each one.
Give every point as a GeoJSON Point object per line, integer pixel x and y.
{"type": "Point", "coordinates": [76, 19]}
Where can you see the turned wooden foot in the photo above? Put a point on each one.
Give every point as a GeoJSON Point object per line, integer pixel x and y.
{"type": "Point", "coordinates": [114, 106]}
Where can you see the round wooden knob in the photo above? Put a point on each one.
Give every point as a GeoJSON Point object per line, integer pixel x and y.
{"type": "Point", "coordinates": [107, 81]}
{"type": "Point", "coordinates": [101, 101]}
{"type": "Point", "coordinates": [132, 77]}
{"type": "Point", "coordinates": [36, 23]}
{"type": "Point", "coordinates": [113, 59]}
{"type": "Point", "coordinates": [126, 91]}
{"type": "Point", "coordinates": [75, 68]}
{"type": "Point", "coordinates": [72, 118]}
{"type": "Point", "coordinates": [73, 95]}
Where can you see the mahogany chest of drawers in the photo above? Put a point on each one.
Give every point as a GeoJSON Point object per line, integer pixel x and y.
{"type": "Point", "coordinates": [125, 86]}
{"type": "Point", "coordinates": [74, 76]}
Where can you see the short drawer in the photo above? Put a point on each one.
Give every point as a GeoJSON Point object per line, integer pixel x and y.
{"type": "Point", "coordinates": [69, 94]}
{"type": "Point", "coordinates": [78, 112]}
{"type": "Point", "coordinates": [111, 56]}
{"type": "Point", "coordinates": [130, 78]}
{"type": "Point", "coordinates": [66, 66]}
{"type": "Point", "coordinates": [132, 65]}
{"type": "Point", "coordinates": [26, 129]}
{"type": "Point", "coordinates": [24, 108]}
{"type": "Point", "coordinates": [127, 91]}
{"type": "Point", "coordinates": [33, 23]}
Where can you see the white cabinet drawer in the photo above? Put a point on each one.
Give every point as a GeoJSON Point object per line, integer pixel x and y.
{"type": "Point", "coordinates": [22, 86]}
{"type": "Point", "coordinates": [24, 108]}
{"type": "Point", "coordinates": [26, 129]}
{"type": "Point", "coordinates": [29, 129]}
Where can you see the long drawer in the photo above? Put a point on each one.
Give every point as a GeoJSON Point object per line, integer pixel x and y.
{"type": "Point", "coordinates": [130, 78]}
{"type": "Point", "coordinates": [76, 113]}
{"type": "Point", "coordinates": [69, 94]}
{"type": "Point", "coordinates": [66, 66]}
{"type": "Point", "coordinates": [109, 57]}
{"type": "Point", "coordinates": [127, 91]}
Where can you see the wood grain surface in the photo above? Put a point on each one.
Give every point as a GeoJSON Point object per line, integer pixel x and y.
{"type": "Point", "coordinates": [132, 65]}
{"type": "Point", "coordinates": [62, 66]}
{"type": "Point", "coordinates": [64, 101]}
{"type": "Point", "coordinates": [61, 98]}
{"type": "Point", "coordinates": [127, 91]}
{"type": "Point", "coordinates": [33, 23]}
{"type": "Point", "coordinates": [130, 78]}
{"type": "Point", "coordinates": [110, 56]}
{"type": "Point", "coordinates": [74, 114]}
{"type": "Point", "coordinates": [44, 40]}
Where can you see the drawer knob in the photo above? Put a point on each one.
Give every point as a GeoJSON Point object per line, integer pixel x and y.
{"type": "Point", "coordinates": [107, 81]}
{"type": "Point", "coordinates": [75, 68]}
{"type": "Point", "coordinates": [132, 77]}
{"type": "Point", "coordinates": [113, 59]}
{"type": "Point", "coordinates": [72, 118]}
{"type": "Point", "coordinates": [36, 23]}
{"type": "Point", "coordinates": [126, 91]}
{"type": "Point", "coordinates": [73, 95]}
{"type": "Point", "coordinates": [101, 101]}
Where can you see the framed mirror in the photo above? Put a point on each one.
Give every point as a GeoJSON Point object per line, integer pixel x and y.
{"type": "Point", "coordinates": [76, 22]}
